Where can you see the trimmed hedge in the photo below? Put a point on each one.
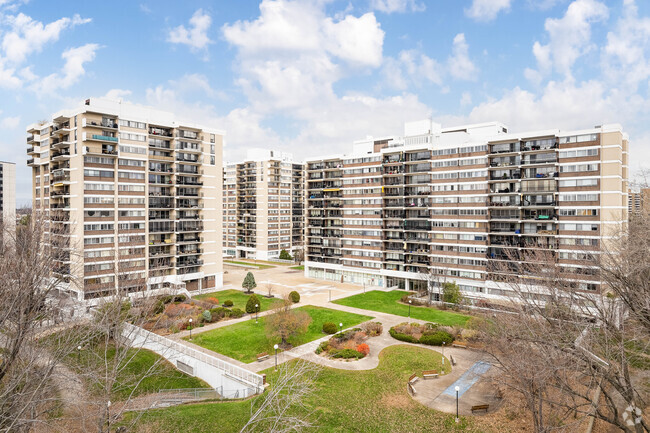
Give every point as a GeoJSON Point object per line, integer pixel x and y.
{"type": "Point", "coordinates": [236, 313]}
{"type": "Point", "coordinates": [228, 303]}
{"type": "Point", "coordinates": [431, 339]}
{"type": "Point", "coordinates": [294, 296]}
{"type": "Point", "coordinates": [346, 354]}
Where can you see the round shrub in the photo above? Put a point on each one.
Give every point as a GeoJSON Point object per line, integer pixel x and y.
{"type": "Point", "coordinates": [236, 313]}
{"type": "Point", "coordinates": [250, 305]}
{"type": "Point", "coordinates": [206, 316]}
{"type": "Point", "coordinates": [228, 303]}
{"type": "Point", "coordinates": [364, 349]}
{"type": "Point", "coordinates": [329, 328]}
{"type": "Point", "coordinates": [437, 338]}
{"type": "Point", "coordinates": [294, 296]}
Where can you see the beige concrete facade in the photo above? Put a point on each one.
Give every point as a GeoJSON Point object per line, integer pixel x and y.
{"type": "Point", "coordinates": [8, 195]}
{"type": "Point", "coordinates": [136, 195]}
{"type": "Point", "coordinates": [458, 204]}
{"type": "Point", "coordinates": [263, 206]}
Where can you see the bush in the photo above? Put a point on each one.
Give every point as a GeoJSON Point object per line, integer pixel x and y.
{"type": "Point", "coordinates": [373, 329]}
{"type": "Point", "coordinates": [402, 337]}
{"type": "Point", "coordinates": [347, 335]}
{"type": "Point", "coordinates": [346, 354]}
{"type": "Point", "coordinates": [219, 313]}
{"type": "Point", "coordinates": [323, 347]}
{"type": "Point", "coordinates": [250, 304]}
{"type": "Point", "coordinates": [284, 255]}
{"type": "Point", "coordinates": [236, 313]}
{"type": "Point", "coordinates": [437, 338]}
{"type": "Point", "coordinates": [179, 298]}
{"type": "Point", "coordinates": [228, 303]}
{"type": "Point", "coordinates": [329, 328]}
{"type": "Point", "coordinates": [212, 300]}
{"type": "Point", "coordinates": [159, 307]}
{"type": "Point", "coordinates": [364, 349]}
{"type": "Point", "coordinates": [294, 296]}
{"type": "Point", "coordinates": [206, 316]}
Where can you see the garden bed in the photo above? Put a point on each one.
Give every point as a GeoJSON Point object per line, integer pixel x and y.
{"type": "Point", "coordinates": [350, 345]}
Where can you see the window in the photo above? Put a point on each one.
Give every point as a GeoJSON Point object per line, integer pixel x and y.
{"type": "Point", "coordinates": [578, 182]}
{"type": "Point", "coordinates": [132, 124]}
{"type": "Point", "coordinates": [133, 137]}
{"type": "Point", "coordinates": [131, 162]}
{"type": "Point", "coordinates": [578, 168]}
{"type": "Point", "coordinates": [133, 149]}
{"type": "Point", "coordinates": [579, 153]}
{"type": "Point", "coordinates": [578, 138]}
{"type": "Point", "coordinates": [578, 197]}
{"type": "Point", "coordinates": [98, 160]}
{"type": "Point", "coordinates": [99, 186]}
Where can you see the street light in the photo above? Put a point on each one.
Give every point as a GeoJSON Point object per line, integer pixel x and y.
{"type": "Point", "coordinates": [442, 362]}
{"type": "Point", "coordinates": [78, 354]}
{"type": "Point", "coordinates": [190, 328]}
{"type": "Point", "coordinates": [108, 414]}
{"type": "Point", "coordinates": [275, 346]}
{"type": "Point", "coordinates": [410, 308]}
{"type": "Point", "coordinates": [340, 327]}
{"type": "Point", "coordinates": [457, 389]}
{"type": "Point", "coordinates": [256, 310]}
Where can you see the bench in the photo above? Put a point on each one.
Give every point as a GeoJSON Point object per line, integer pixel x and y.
{"type": "Point", "coordinates": [410, 389]}
{"type": "Point", "coordinates": [478, 407]}
{"type": "Point", "coordinates": [414, 378]}
{"type": "Point", "coordinates": [262, 356]}
{"type": "Point", "coordinates": [459, 344]}
{"type": "Point", "coordinates": [430, 373]}
{"type": "Point", "coordinates": [451, 358]}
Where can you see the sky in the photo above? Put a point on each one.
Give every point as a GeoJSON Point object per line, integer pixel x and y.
{"type": "Point", "coordinates": [310, 76]}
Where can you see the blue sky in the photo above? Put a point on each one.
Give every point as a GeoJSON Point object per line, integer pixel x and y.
{"type": "Point", "coordinates": [310, 76]}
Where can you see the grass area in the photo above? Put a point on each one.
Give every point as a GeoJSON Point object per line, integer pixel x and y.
{"type": "Point", "coordinates": [244, 340]}
{"type": "Point", "coordinates": [160, 374]}
{"type": "Point", "coordinates": [372, 401]}
{"type": "Point", "coordinates": [251, 264]}
{"type": "Point", "coordinates": [238, 298]}
{"type": "Point", "coordinates": [298, 268]}
{"type": "Point", "coordinates": [388, 302]}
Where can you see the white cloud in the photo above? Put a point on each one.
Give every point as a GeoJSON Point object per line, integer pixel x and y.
{"type": "Point", "coordinates": [569, 36]}
{"type": "Point", "coordinates": [196, 35]}
{"type": "Point", "coordinates": [626, 57]}
{"type": "Point", "coordinates": [117, 94]}
{"type": "Point", "coordinates": [10, 122]}
{"type": "Point", "coordinates": [412, 67]}
{"type": "Point", "coordinates": [357, 41]}
{"type": "Point", "coordinates": [487, 10]}
{"type": "Point", "coordinates": [73, 69]}
{"type": "Point", "coordinates": [466, 99]}
{"type": "Point", "coordinates": [28, 35]}
{"type": "Point", "coordinates": [460, 65]}
{"type": "Point", "coordinates": [390, 6]}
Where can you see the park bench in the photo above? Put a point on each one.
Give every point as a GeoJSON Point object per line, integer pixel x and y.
{"type": "Point", "coordinates": [262, 356]}
{"type": "Point", "coordinates": [414, 378]}
{"type": "Point", "coordinates": [411, 389]}
{"type": "Point", "coordinates": [459, 344]}
{"type": "Point", "coordinates": [430, 373]}
{"type": "Point", "coordinates": [451, 358]}
{"type": "Point", "coordinates": [484, 407]}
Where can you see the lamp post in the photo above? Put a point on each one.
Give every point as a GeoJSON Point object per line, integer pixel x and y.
{"type": "Point", "coordinates": [457, 389]}
{"type": "Point", "coordinates": [256, 310]}
{"type": "Point", "coordinates": [190, 328]}
{"type": "Point", "coordinates": [410, 308]}
{"type": "Point", "coordinates": [341, 327]}
{"type": "Point", "coordinates": [78, 354]}
{"type": "Point", "coordinates": [108, 414]}
{"type": "Point", "coordinates": [275, 346]}
{"type": "Point", "coordinates": [442, 361]}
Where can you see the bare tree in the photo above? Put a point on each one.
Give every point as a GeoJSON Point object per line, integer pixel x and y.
{"type": "Point", "coordinates": [269, 289]}
{"type": "Point", "coordinates": [283, 407]}
{"type": "Point", "coordinates": [577, 340]}
{"type": "Point", "coordinates": [286, 322]}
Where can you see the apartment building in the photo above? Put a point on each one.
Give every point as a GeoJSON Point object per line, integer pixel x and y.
{"type": "Point", "coordinates": [639, 201]}
{"type": "Point", "coordinates": [135, 195]}
{"type": "Point", "coordinates": [263, 205]}
{"type": "Point", "coordinates": [464, 204]}
{"type": "Point", "coordinates": [8, 195]}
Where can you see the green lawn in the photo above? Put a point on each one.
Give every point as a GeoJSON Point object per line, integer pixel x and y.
{"type": "Point", "coordinates": [238, 298]}
{"type": "Point", "coordinates": [369, 401]}
{"type": "Point", "coordinates": [298, 268]}
{"type": "Point", "coordinates": [388, 302]}
{"type": "Point", "coordinates": [244, 340]}
{"type": "Point", "coordinates": [253, 265]}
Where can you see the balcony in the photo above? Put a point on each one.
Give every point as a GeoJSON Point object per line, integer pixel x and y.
{"type": "Point", "coordinates": [165, 132]}
{"type": "Point", "coordinates": [101, 137]}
